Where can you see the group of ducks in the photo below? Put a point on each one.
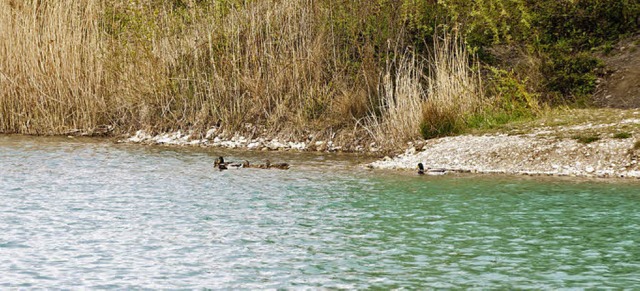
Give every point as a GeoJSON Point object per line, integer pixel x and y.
{"type": "Point", "coordinates": [222, 165]}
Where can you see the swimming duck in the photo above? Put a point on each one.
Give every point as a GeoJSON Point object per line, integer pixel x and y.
{"type": "Point", "coordinates": [246, 164]}
{"type": "Point", "coordinates": [281, 166]}
{"type": "Point", "coordinates": [430, 171]}
{"type": "Point", "coordinates": [220, 164]}
{"type": "Point", "coordinates": [266, 165]}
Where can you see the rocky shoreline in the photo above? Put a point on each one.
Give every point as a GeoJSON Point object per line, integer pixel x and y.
{"type": "Point", "coordinates": [540, 153]}
{"type": "Point", "coordinates": [522, 155]}
{"type": "Point", "coordinates": [217, 138]}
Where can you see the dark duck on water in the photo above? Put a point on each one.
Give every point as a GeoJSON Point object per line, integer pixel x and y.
{"type": "Point", "coordinates": [281, 166]}
{"type": "Point", "coordinates": [430, 171]}
{"type": "Point", "coordinates": [222, 165]}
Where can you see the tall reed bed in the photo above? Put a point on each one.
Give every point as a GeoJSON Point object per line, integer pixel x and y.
{"type": "Point", "coordinates": [51, 69]}
{"type": "Point", "coordinates": [430, 96]}
{"type": "Point", "coordinates": [401, 101]}
{"type": "Point", "coordinates": [287, 67]}
{"type": "Point", "coordinates": [455, 88]}
{"type": "Point", "coordinates": [163, 65]}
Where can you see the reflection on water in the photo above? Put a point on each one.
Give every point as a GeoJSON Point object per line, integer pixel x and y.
{"type": "Point", "coordinates": [98, 215]}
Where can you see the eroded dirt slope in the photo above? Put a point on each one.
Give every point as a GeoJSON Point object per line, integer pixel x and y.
{"type": "Point", "coordinates": [621, 87]}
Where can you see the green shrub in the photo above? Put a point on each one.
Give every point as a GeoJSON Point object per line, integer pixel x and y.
{"type": "Point", "coordinates": [438, 123]}
{"type": "Point", "coordinates": [622, 135]}
{"type": "Point", "coordinates": [571, 75]}
{"type": "Point", "coordinates": [585, 139]}
{"type": "Point", "coordinates": [511, 101]}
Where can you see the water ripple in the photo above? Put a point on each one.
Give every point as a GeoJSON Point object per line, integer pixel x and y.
{"type": "Point", "coordinates": [85, 214]}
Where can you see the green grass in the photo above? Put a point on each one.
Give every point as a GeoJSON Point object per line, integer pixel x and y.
{"type": "Point", "coordinates": [586, 139]}
{"type": "Point", "coordinates": [622, 135]}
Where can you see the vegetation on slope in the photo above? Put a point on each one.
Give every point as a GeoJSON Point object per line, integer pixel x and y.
{"type": "Point", "coordinates": [396, 70]}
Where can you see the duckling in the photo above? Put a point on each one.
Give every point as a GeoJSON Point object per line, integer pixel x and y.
{"type": "Point", "coordinates": [281, 166]}
{"type": "Point", "coordinates": [246, 164]}
{"type": "Point", "coordinates": [268, 165]}
{"type": "Point", "coordinates": [264, 166]}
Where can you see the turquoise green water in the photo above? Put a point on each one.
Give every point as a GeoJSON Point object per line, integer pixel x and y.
{"type": "Point", "coordinates": [87, 214]}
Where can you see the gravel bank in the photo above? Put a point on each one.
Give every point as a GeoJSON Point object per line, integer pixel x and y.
{"type": "Point", "coordinates": [523, 154]}
{"type": "Point", "coordinates": [538, 153]}
{"type": "Point", "coordinates": [217, 138]}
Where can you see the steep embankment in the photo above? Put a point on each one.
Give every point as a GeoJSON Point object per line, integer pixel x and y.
{"type": "Point", "coordinates": [621, 87]}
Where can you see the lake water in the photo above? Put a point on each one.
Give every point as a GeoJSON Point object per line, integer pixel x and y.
{"type": "Point", "coordinates": [93, 214]}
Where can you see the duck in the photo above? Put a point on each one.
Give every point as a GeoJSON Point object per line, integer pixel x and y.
{"type": "Point", "coordinates": [246, 164]}
{"type": "Point", "coordinates": [266, 165]}
{"type": "Point", "coordinates": [220, 164]}
{"type": "Point", "coordinates": [430, 171]}
{"type": "Point", "coordinates": [281, 166]}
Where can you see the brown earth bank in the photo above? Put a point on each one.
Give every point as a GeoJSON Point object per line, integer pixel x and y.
{"type": "Point", "coordinates": [620, 88]}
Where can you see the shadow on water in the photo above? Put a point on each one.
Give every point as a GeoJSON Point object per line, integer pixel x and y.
{"type": "Point", "coordinates": [86, 213]}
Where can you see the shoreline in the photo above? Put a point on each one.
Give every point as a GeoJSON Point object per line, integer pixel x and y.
{"type": "Point", "coordinates": [529, 155]}
{"type": "Point", "coordinates": [541, 151]}
{"type": "Point", "coordinates": [217, 138]}
{"type": "Point", "coordinates": [533, 154]}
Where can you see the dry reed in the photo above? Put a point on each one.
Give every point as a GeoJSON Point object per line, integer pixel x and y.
{"type": "Point", "coordinates": [402, 100]}
{"type": "Point", "coordinates": [436, 101]}
{"type": "Point", "coordinates": [455, 89]}
{"type": "Point", "coordinates": [74, 65]}
{"type": "Point", "coordinates": [50, 73]}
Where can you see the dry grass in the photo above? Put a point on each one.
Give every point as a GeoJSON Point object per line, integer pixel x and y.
{"type": "Point", "coordinates": [432, 104]}
{"type": "Point", "coordinates": [78, 64]}
{"type": "Point", "coordinates": [50, 74]}
{"type": "Point", "coordinates": [75, 65]}
{"type": "Point", "coordinates": [402, 100]}
{"type": "Point", "coordinates": [455, 88]}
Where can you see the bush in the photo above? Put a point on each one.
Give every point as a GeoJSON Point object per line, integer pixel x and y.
{"type": "Point", "coordinates": [585, 139]}
{"type": "Point", "coordinates": [622, 135]}
{"type": "Point", "coordinates": [438, 123]}
{"type": "Point", "coordinates": [561, 33]}
{"type": "Point", "coordinates": [571, 75]}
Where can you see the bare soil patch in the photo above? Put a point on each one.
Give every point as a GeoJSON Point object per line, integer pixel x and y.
{"type": "Point", "coordinates": [620, 88]}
